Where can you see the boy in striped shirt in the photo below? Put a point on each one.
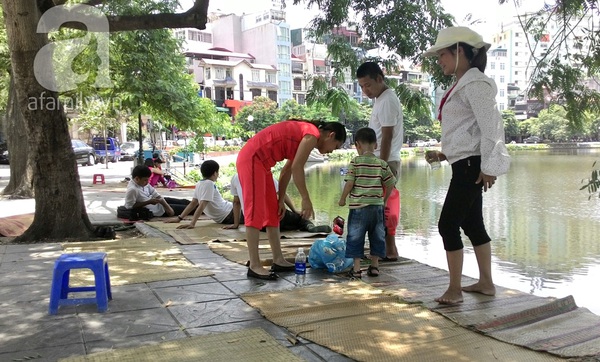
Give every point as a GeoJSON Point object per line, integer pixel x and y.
{"type": "Point", "coordinates": [369, 182]}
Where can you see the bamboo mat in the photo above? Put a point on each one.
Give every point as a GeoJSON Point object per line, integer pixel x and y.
{"type": "Point", "coordinates": [209, 231]}
{"type": "Point", "coordinates": [251, 345]}
{"type": "Point", "coordinates": [557, 326]}
{"type": "Point", "coordinates": [133, 261]}
{"type": "Point", "coordinates": [237, 251]}
{"type": "Point", "coordinates": [368, 324]}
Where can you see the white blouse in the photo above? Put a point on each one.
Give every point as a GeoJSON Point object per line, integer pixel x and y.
{"type": "Point", "coordinates": [473, 126]}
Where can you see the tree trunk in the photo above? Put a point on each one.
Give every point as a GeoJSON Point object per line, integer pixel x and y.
{"type": "Point", "coordinates": [20, 184]}
{"type": "Point", "coordinates": [59, 208]}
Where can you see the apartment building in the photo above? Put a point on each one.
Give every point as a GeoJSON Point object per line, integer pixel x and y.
{"type": "Point", "coordinates": [237, 58]}
{"type": "Point", "coordinates": [518, 52]}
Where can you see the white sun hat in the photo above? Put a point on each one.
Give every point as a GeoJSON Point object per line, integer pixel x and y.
{"type": "Point", "coordinates": [456, 34]}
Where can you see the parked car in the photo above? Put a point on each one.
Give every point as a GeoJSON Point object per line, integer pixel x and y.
{"type": "Point", "coordinates": [129, 151]}
{"type": "Point", "coordinates": [107, 148]}
{"type": "Point", "coordinates": [4, 152]}
{"type": "Point", "coordinates": [84, 153]}
{"type": "Point", "coordinates": [532, 139]}
{"type": "Point", "coordinates": [431, 142]}
{"type": "Point", "coordinates": [418, 143]}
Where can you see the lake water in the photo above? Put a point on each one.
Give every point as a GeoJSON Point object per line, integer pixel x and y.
{"type": "Point", "coordinates": [545, 232]}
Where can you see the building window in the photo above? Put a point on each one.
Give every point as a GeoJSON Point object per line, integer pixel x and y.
{"type": "Point", "coordinates": [208, 92]}
{"type": "Point", "coordinates": [284, 69]}
{"type": "Point", "coordinates": [255, 92]}
{"type": "Point", "coordinates": [285, 87]}
{"type": "Point", "coordinates": [501, 79]}
{"type": "Point", "coordinates": [283, 52]}
{"type": "Point", "coordinates": [516, 72]}
{"type": "Point", "coordinates": [501, 106]}
{"type": "Point", "coordinates": [501, 66]}
{"type": "Point", "coordinates": [501, 92]}
{"type": "Point", "coordinates": [255, 75]}
{"type": "Point", "coordinates": [271, 78]}
{"type": "Point", "coordinates": [228, 73]}
{"type": "Point", "coordinates": [298, 84]}
{"type": "Point", "coordinates": [517, 35]}
{"type": "Point", "coordinates": [283, 34]}
{"type": "Point", "coordinates": [492, 65]}
{"type": "Point", "coordinates": [301, 98]}
{"type": "Point", "coordinates": [195, 35]}
{"type": "Point", "coordinates": [516, 43]}
{"type": "Point", "coordinates": [219, 73]}
{"type": "Point", "coordinates": [207, 73]}
{"type": "Point", "coordinates": [516, 63]}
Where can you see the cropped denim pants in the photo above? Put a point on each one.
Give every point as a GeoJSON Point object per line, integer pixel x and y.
{"type": "Point", "coordinates": [369, 221]}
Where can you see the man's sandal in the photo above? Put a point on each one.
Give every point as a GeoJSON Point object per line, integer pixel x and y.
{"type": "Point", "coordinates": [370, 271]}
{"type": "Point", "coordinates": [355, 274]}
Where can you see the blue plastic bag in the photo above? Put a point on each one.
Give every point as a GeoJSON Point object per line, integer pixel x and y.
{"type": "Point", "coordinates": [329, 253]}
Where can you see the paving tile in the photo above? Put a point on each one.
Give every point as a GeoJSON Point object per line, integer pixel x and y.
{"type": "Point", "coordinates": [50, 255]}
{"type": "Point", "coordinates": [32, 248]}
{"type": "Point", "coordinates": [45, 331]}
{"type": "Point", "coordinates": [24, 293]}
{"type": "Point", "coordinates": [116, 326]}
{"type": "Point", "coordinates": [27, 276]}
{"type": "Point", "coordinates": [327, 354]}
{"type": "Point", "coordinates": [188, 294]}
{"type": "Point", "coordinates": [178, 282]}
{"type": "Point", "coordinates": [134, 341]}
{"type": "Point", "coordinates": [51, 353]}
{"type": "Point", "coordinates": [247, 285]}
{"type": "Point", "coordinates": [306, 353]}
{"type": "Point", "coordinates": [126, 298]}
{"type": "Point", "coordinates": [212, 313]}
{"type": "Point", "coordinates": [27, 313]}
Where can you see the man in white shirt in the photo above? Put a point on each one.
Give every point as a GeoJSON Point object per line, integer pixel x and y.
{"type": "Point", "coordinates": [386, 120]}
{"type": "Point", "coordinates": [140, 194]}
{"type": "Point", "coordinates": [292, 220]}
{"type": "Point", "coordinates": [207, 199]}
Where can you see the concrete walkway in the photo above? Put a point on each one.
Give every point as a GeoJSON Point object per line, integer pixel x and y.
{"type": "Point", "coordinates": [139, 313]}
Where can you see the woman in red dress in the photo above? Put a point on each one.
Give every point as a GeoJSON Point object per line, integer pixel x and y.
{"type": "Point", "coordinates": [263, 206]}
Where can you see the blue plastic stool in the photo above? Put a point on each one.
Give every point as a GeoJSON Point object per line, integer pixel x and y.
{"type": "Point", "coordinates": [97, 262]}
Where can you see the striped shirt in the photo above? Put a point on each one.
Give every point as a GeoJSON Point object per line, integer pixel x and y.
{"type": "Point", "coordinates": [369, 174]}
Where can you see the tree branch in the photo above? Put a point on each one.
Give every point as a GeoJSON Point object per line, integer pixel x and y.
{"type": "Point", "coordinates": [195, 17]}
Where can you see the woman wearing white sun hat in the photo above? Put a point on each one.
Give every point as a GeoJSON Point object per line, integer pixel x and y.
{"type": "Point", "coordinates": [473, 143]}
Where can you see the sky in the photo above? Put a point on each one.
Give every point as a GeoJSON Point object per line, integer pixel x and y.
{"type": "Point", "coordinates": [488, 11]}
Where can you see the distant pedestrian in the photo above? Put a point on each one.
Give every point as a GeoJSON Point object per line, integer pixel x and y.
{"type": "Point", "coordinates": [369, 183]}
{"type": "Point", "coordinates": [473, 143]}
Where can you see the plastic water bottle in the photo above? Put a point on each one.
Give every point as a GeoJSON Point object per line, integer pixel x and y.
{"type": "Point", "coordinates": [300, 267]}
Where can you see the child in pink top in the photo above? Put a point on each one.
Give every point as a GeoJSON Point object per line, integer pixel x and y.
{"type": "Point", "coordinates": [263, 206]}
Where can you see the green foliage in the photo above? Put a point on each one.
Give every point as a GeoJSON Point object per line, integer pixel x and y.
{"type": "Point", "coordinates": [404, 27]}
{"type": "Point", "coordinates": [147, 69]}
{"type": "Point", "coordinates": [511, 125]}
{"type": "Point", "coordinates": [592, 184]}
{"type": "Point", "coordinates": [560, 73]}
{"type": "Point", "coordinates": [263, 111]}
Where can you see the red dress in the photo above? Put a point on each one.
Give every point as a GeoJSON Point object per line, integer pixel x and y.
{"type": "Point", "coordinates": [275, 143]}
